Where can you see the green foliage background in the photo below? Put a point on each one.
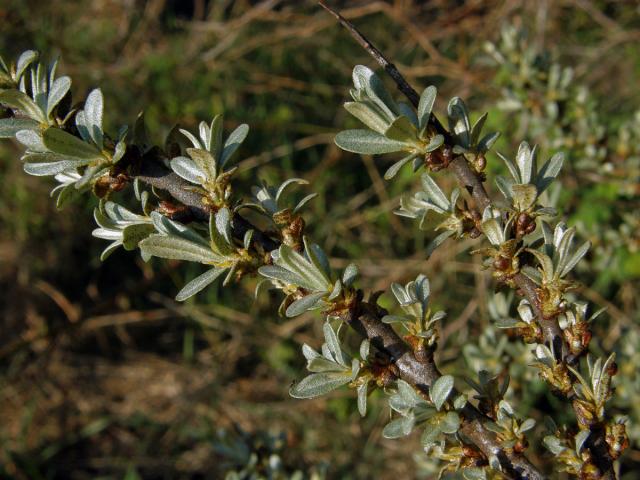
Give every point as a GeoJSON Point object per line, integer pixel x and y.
{"type": "Point", "coordinates": [104, 375]}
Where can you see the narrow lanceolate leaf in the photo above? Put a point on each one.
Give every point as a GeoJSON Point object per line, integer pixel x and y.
{"type": "Point", "coordinates": [575, 258]}
{"type": "Point", "coordinates": [45, 169]}
{"type": "Point", "coordinates": [199, 283]}
{"type": "Point", "coordinates": [93, 108]}
{"type": "Point", "coordinates": [10, 126]}
{"type": "Point", "coordinates": [362, 398]}
{"type": "Point", "coordinates": [205, 162]}
{"type": "Point", "coordinates": [493, 231]}
{"type": "Point", "coordinates": [349, 275]}
{"type": "Point", "coordinates": [400, 427]}
{"type": "Point", "coordinates": [233, 142]}
{"type": "Point", "coordinates": [303, 304]}
{"type": "Point", "coordinates": [395, 168]}
{"type": "Point", "coordinates": [187, 169]}
{"type": "Point", "coordinates": [132, 235]}
{"type": "Point", "coordinates": [402, 130]}
{"type": "Point", "coordinates": [319, 384]}
{"type": "Point", "coordinates": [549, 171]}
{"type": "Point", "coordinates": [26, 59]}
{"type": "Point", "coordinates": [281, 274]}
{"type": "Point", "coordinates": [333, 343]}
{"type": "Point", "coordinates": [175, 248]}
{"type": "Point", "coordinates": [364, 112]}
{"type": "Point", "coordinates": [367, 142]}
{"type": "Point", "coordinates": [59, 89]}
{"type": "Point", "coordinates": [427, 99]}
{"type": "Point", "coordinates": [64, 143]}
{"type": "Point", "coordinates": [314, 279]}
{"type": "Point", "coordinates": [21, 101]}
{"type": "Point", "coordinates": [436, 195]}
{"type": "Point", "coordinates": [440, 390]}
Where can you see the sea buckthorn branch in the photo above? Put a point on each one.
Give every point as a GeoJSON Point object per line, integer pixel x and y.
{"type": "Point", "coordinates": [190, 215]}
{"type": "Point", "coordinates": [558, 327]}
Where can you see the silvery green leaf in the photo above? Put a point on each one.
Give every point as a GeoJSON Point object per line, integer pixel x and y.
{"type": "Point", "coordinates": [368, 115]}
{"type": "Point", "coordinates": [172, 228]}
{"type": "Point", "coordinates": [474, 473]}
{"type": "Point", "coordinates": [513, 170]}
{"type": "Point", "coordinates": [422, 289]}
{"type": "Point", "coordinates": [223, 224]}
{"type": "Point", "coordinates": [440, 390]}
{"type": "Point", "coordinates": [553, 444]}
{"type": "Point", "coordinates": [365, 78]}
{"type": "Point", "coordinates": [93, 107]}
{"type": "Point", "coordinates": [365, 346]}
{"type": "Point", "coordinates": [309, 353]}
{"type": "Point", "coordinates": [397, 319]}
{"type": "Point", "coordinates": [21, 101]}
{"type": "Point", "coordinates": [132, 235]}
{"type": "Point", "coordinates": [187, 169]}
{"type": "Point", "coordinates": [580, 438]}
{"type": "Point", "coordinates": [248, 236]}
{"type": "Point", "coordinates": [303, 202]}
{"type": "Point", "coordinates": [524, 196]}
{"type": "Point", "coordinates": [286, 184]}
{"type": "Point", "coordinates": [526, 161]}
{"type": "Point", "coordinates": [26, 58]}
{"type": "Point", "coordinates": [395, 168]}
{"type": "Point", "coordinates": [477, 128]}
{"type": "Point", "coordinates": [402, 130]}
{"type": "Point", "coordinates": [64, 143]}
{"type": "Point", "coordinates": [215, 147]}
{"type": "Point", "coordinates": [43, 169]}
{"type": "Point", "coordinates": [337, 290]}
{"type": "Point", "coordinates": [199, 283]}
{"type": "Point", "coordinates": [450, 423]}
{"type": "Point", "coordinates": [408, 111]}
{"type": "Point", "coordinates": [459, 402]}
{"type": "Point", "coordinates": [192, 138]}
{"type": "Point", "coordinates": [436, 242]}
{"type": "Point", "coordinates": [487, 142]}
{"type": "Point", "coordinates": [435, 143]}
{"type": "Point", "coordinates": [544, 355]}
{"type": "Point", "coordinates": [32, 140]}
{"type": "Point", "coordinates": [58, 90]}
{"type": "Point", "coordinates": [506, 323]}
{"type": "Point", "coordinates": [333, 343]}
{"type": "Point", "coordinates": [439, 315]}
{"type": "Point", "coordinates": [10, 126]}
{"type": "Point", "coordinates": [175, 248]}
{"type": "Point", "coordinates": [303, 304]}
{"type": "Point", "coordinates": [317, 257]}
{"type": "Point", "coordinates": [281, 274]}
{"type": "Point", "coordinates": [493, 231]}
{"type": "Point", "coordinates": [66, 194]}
{"type": "Point", "coordinates": [321, 364]}
{"type": "Point", "coordinates": [205, 134]}
{"type": "Point", "coordinates": [425, 106]}
{"type": "Point", "coordinates": [575, 258]}
{"type": "Point", "coordinates": [430, 435]}
{"type": "Point", "coordinates": [527, 425]}
{"type": "Point", "coordinates": [120, 150]}
{"type": "Point", "coordinates": [367, 142]}
{"type": "Point", "coordinates": [400, 427]}
{"type": "Point", "coordinates": [504, 185]}
{"type": "Point", "coordinates": [355, 368]}
{"type": "Point", "coordinates": [459, 120]}
{"type": "Point", "coordinates": [314, 279]}
{"type": "Point", "coordinates": [549, 171]}
{"type": "Point", "coordinates": [410, 398]}
{"type": "Point", "coordinates": [362, 398]}
{"type": "Point", "coordinates": [318, 384]}
{"type": "Point", "coordinates": [233, 142]}
{"type": "Point", "coordinates": [532, 273]}
{"type": "Point", "coordinates": [349, 275]}
{"type": "Point", "coordinates": [205, 162]}
{"type": "Point", "coordinates": [433, 190]}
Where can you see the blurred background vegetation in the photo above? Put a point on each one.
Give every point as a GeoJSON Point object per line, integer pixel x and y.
{"type": "Point", "coordinates": [104, 375]}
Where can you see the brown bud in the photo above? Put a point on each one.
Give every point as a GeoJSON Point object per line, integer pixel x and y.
{"type": "Point", "coordinates": [481, 163]}
{"type": "Point", "coordinates": [501, 263]}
